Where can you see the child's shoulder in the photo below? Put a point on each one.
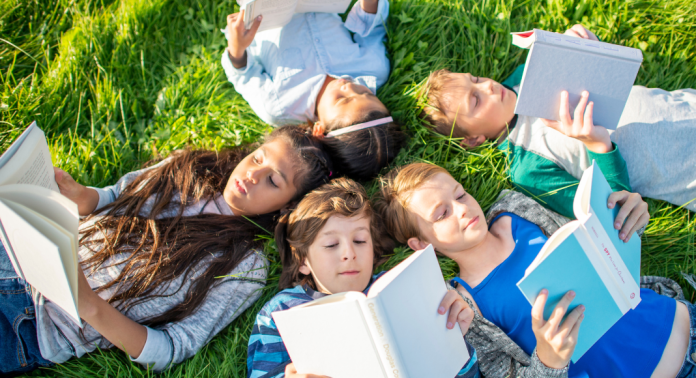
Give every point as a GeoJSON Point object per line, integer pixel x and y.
{"type": "Point", "coordinates": [286, 299]}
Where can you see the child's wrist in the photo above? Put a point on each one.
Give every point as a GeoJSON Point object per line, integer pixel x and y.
{"type": "Point", "coordinates": [238, 58]}
{"type": "Point", "coordinates": [599, 147]}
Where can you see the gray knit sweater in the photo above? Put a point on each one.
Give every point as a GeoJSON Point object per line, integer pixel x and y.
{"type": "Point", "coordinates": [498, 355]}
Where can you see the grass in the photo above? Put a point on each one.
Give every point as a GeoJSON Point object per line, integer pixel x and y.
{"type": "Point", "coordinates": [115, 83]}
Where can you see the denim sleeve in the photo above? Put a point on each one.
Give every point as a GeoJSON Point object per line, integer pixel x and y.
{"type": "Point", "coordinates": [254, 84]}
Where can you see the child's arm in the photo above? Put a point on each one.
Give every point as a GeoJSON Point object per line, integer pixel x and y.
{"type": "Point", "coordinates": [249, 78]}
{"type": "Point", "coordinates": [556, 338]}
{"type": "Point", "coordinates": [461, 313]}
{"type": "Point", "coordinates": [266, 353]}
{"type": "Point", "coordinates": [555, 188]}
{"type": "Point", "coordinates": [369, 31]}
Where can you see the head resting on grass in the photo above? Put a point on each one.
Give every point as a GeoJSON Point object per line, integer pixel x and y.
{"type": "Point", "coordinates": [363, 153]}
{"type": "Point", "coordinates": [423, 204]}
{"type": "Point", "coordinates": [331, 241]}
{"type": "Point", "coordinates": [469, 107]}
{"type": "Point", "coordinates": [146, 221]}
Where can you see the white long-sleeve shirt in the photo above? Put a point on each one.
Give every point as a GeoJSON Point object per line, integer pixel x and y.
{"type": "Point", "coordinates": [60, 339]}
{"type": "Point", "coordinates": [286, 67]}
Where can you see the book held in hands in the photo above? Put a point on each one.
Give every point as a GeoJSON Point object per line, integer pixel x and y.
{"type": "Point", "coordinates": [393, 331]}
{"type": "Point", "coordinates": [38, 225]}
{"type": "Point", "coordinates": [277, 13]}
{"type": "Point", "coordinates": [588, 257]}
{"type": "Point", "coordinates": [558, 62]}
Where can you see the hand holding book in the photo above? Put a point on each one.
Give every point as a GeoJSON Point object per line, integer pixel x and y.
{"type": "Point", "coordinates": [239, 37]}
{"type": "Point", "coordinates": [85, 198]}
{"type": "Point", "coordinates": [581, 127]}
{"type": "Point", "coordinates": [556, 337]}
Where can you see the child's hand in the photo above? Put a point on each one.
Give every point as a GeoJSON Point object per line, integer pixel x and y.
{"type": "Point", "coordinates": [459, 311]}
{"type": "Point", "coordinates": [555, 341]}
{"type": "Point", "coordinates": [291, 372]}
{"type": "Point", "coordinates": [581, 32]}
{"type": "Point", "coordinates": [581, 127]}
{"type": "Point", "coordinates": [238, 38]}
{"type": "Point", "coordinates": [85, 198]}
{"type": "Point", "coordinates": [369, 6]}
{"type": "Point", "coordinates": [633, 213]}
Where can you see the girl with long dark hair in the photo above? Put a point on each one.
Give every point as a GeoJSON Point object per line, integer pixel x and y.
{"type": "Point", "coordinates": [169, 254]}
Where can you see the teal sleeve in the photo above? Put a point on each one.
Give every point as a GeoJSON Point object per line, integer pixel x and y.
{"type": "Point", "coordinates": [516, 77]}
{"type": "Point", "coordinates": [614, 168]}
{"type": "Point", "coordinates": [552, 186]}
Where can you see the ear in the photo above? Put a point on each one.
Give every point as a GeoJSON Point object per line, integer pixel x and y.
{"type": "Point", "coordinates": [416, 244]}
{"type": "Point", "coordinates": [473, 141]}
{"type": "Point", "coordinates": [318, 129]}
{"type": "Point", "coordinates": [305, 269]}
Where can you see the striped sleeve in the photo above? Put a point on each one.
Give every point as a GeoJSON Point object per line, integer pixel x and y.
{"type": "Point", "coordinates": [471, 368]}
{"type": "Point", "coordinates": [266, 354]}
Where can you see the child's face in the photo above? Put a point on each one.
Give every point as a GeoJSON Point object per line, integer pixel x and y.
{"type": "Point", "coordinates": [341, 256]}
{"type": "Point", "coordinates": [447, 216]}
{"type": "Point", "coordinates": [482, 106]}
{"type": "Point", "coordinates": [343, 97]}
{"type": "Point", "coordinates": [263, 181]}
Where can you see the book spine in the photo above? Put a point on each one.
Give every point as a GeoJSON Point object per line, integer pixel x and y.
{"type": "Point", "coordinates": [602, 48]}
{"type": "Point", "coordinates": [383, 338]}
{"type": "Point", "coordinates": [610, 266]}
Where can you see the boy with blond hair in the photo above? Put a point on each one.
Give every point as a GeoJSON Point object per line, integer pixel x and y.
{"type": "Point", "coordinates": [547, 158]}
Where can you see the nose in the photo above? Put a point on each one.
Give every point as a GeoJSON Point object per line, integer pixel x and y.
{"type": "Point", "coordinates": [253, 175]}
{"type": "Point", "coordinates": [488, 85]}
{"type": "Point", "coordinates": [460, 210]}
{"type": "Point", "coordinates": [348, 253]}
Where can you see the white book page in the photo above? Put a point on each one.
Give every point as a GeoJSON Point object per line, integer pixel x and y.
{"type": "Point", "coordinates": [30, 163]}
{"type": "Point", "coordinates": [276, 13]}
{"type": "Point", "coordinates": [410, 301]}
{"type": "Point", "coordinates": [322, 6]}
{"type": "Point", "coordinates": [44, 250]}
{"type": "Point", "coordinates": [329, 338]}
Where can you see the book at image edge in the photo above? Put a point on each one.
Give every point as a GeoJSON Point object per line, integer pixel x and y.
{"type": "Point", "coordinates": [577, 44]}
{"type": "Point", "coordinates": [383, 339]}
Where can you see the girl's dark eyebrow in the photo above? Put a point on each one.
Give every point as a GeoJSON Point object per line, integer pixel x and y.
{"type": "Point", "coordinates": [275, 169]}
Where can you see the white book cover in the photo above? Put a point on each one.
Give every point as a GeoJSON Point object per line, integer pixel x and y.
{"type": "Point", "coordinates": [277, 13]}
{"type": "Point", "coordinates": [39, 232]}
{"type": "Point", "coordinates": [394, 331]}
{"type": "Point", "coordinates": [558, 62]}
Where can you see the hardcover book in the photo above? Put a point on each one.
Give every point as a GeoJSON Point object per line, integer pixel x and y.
{"type": "Point", "coordinates": [588, 257]}
{"type": "Point", "coordinates": [394, 331]}
{"type": "Point", "coordinates": [558, 62]}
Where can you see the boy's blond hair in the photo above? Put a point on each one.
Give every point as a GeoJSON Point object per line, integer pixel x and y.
{"type": "Point", "coordinates": [432, 112]}
{"type": "Point", "coordinates": [392, 202]}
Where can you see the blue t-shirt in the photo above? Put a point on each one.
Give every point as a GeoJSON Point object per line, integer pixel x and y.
{"type": "Point", "coordinates": [631, 348]}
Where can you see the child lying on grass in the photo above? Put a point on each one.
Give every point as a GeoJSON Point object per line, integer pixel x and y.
{"type": "Point", "coordinates": [655, 134]}
{"type": "Point", "coordinates": [422, 203]}
{"type": "Point", "coordinates": [330, 244]}
{"type": "Point", "coordinates": [313, 70]}
{"type": "Point", "coordinates": [168, 255]}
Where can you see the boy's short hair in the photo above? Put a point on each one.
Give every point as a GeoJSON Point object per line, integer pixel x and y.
{"type": "Point", "coordinates": [396, 189]}
{"type": "Point", "coordinates": [432, 112]}
{"type": "Point", "coordinates": [297, 230]}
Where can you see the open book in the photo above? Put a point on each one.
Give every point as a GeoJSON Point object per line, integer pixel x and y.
{"type": "Point", "coordinates": [588, 257]}
{"type": "Point", "coordinates": [394, 331]}
{"type": "Point", "coordinates": [277, 13]}
{"type": "Point", "coordinates": [38, 225]}
{"type": "Point", "coordinates": [558, 62]}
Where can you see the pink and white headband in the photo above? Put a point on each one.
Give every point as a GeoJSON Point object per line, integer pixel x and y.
{"type": "Point", "coordinates": [359, 126]}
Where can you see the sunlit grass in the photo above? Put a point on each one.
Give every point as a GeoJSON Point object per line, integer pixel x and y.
{"type": "Point", "coordinates": [115, 83]}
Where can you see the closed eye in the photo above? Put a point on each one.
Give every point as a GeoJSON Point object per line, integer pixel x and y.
{"type": "Point", "coordinates": [359, 241]}
{"type": "Point", "coordinates": [270, 180]}
{"type": "Point", "coordinates": [460, 197]}
{"type": "Point", "coordinates": [330, 246]}
{"type": "Point", "coordinates": [442, 216]}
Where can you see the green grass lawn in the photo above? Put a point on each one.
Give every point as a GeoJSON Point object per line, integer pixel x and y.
{"type": "Point", "coordinates": [115, 83]}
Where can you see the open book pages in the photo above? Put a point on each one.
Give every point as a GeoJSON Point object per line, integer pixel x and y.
{"type": "Point", "coordinates": [277, 13]}
{"type": "Point", "coordinates": [558, 62]}
{"type": "Point", "coordinates": [39, 229]}
{"type": "Point", "coordinates": [394, 331]}
{"type": "Point", "coordinates": [582, 256]}
{"type": "Point", "coordinates": [28, 161]}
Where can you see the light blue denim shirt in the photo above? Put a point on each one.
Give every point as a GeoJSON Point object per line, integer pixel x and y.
{"type": "Point", "coordinates": [286, 67]}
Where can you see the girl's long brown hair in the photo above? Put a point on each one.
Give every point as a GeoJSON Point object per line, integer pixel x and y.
{"type": "Point", "coordinates": [160, 250]}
